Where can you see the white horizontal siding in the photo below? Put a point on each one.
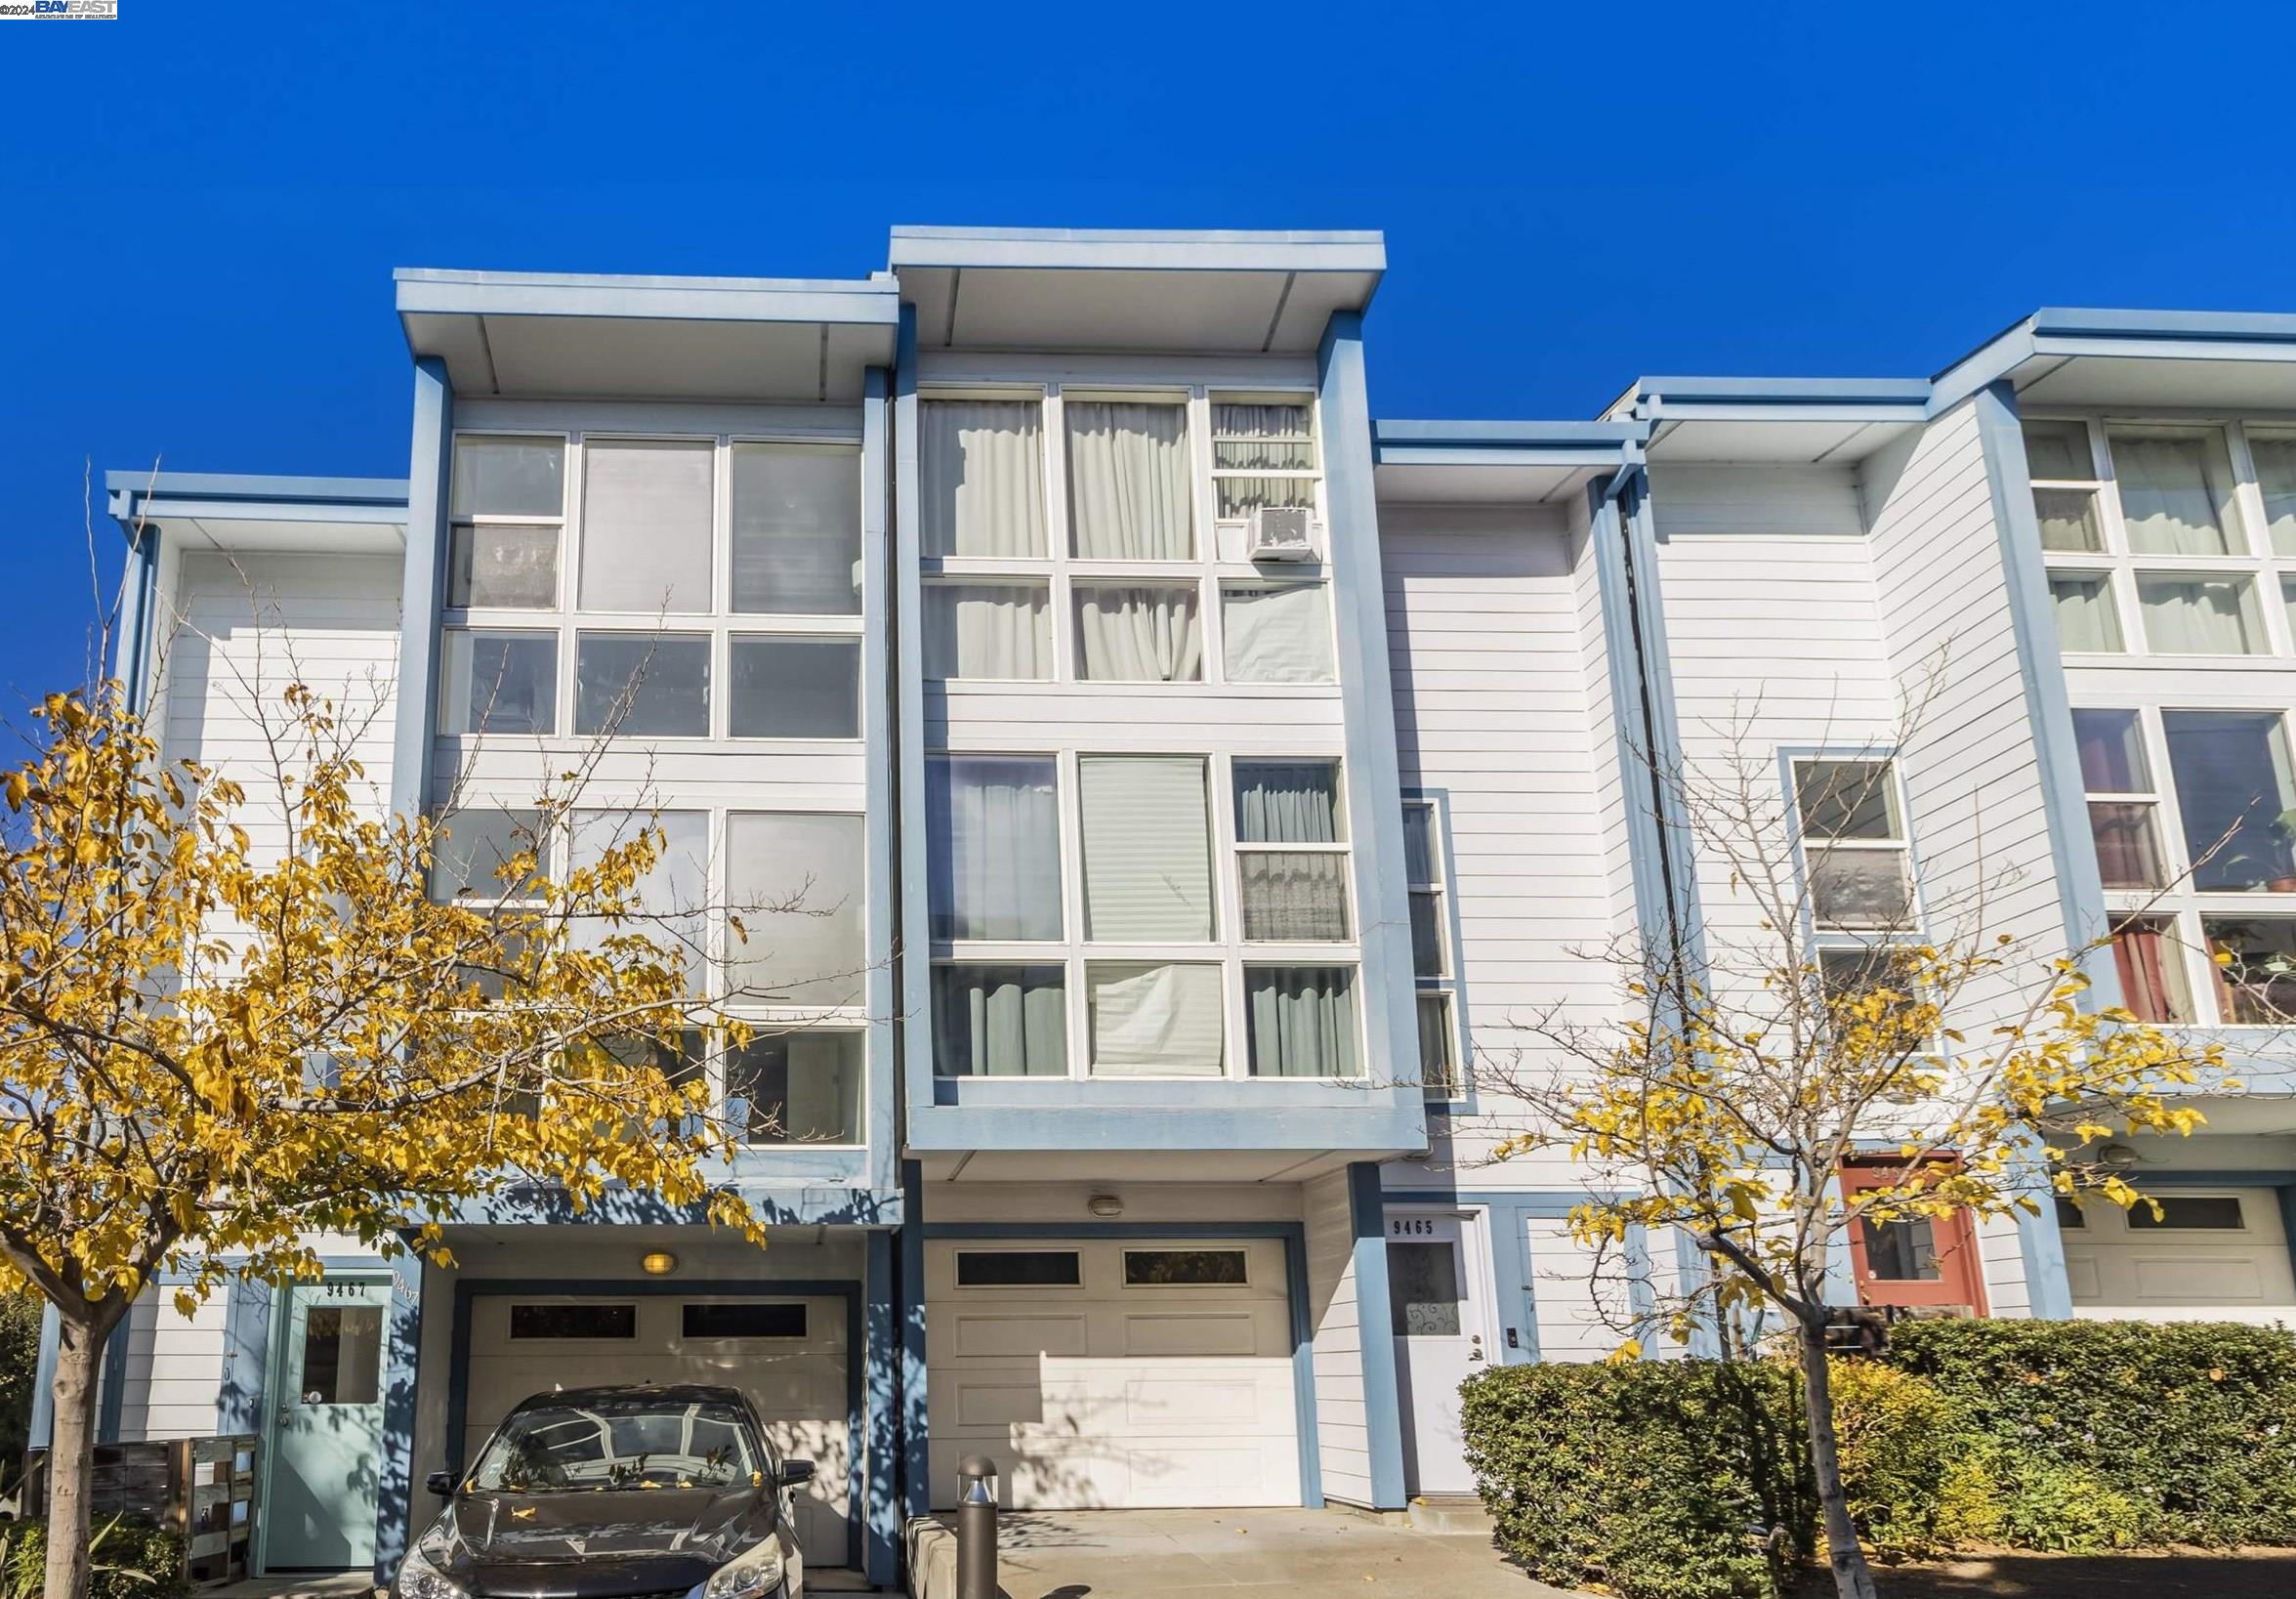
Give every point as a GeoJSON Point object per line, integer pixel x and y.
{"type": "Point", "coordinates": [175, 1367]}
{"type": "Point", "coordinates": [1343, 1437]}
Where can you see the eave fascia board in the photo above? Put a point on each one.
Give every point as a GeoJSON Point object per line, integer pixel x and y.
{"type": "Point", "coordinates": [873, 301]}
{"type": "Point", "coordinates": [1596, 446]}
{"type": "Point", "coordinates": [135, 497]}
{"type": "Point", "coordinates": [1052, 249]}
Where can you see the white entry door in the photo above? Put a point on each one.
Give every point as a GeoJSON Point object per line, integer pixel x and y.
{"type": "Point", "coordinates": [1434, 1284]}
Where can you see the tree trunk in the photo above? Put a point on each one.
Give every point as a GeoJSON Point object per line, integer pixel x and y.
{"type": "Point", "coordinates": [72, 1457]}
{"type": "Point", "coordinates": [1852, 1577]}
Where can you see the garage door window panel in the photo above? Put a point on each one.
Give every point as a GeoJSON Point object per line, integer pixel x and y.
{"type": "Point", "coordinates": [1020, 1269]}
{"type": "Point", "coordinates": [716, 1321]}
{"type": "Point", "coordinates": [609, 1323]}
{"type": "Point", "coordinates": [2188, 1213]}
{"type": "Point", "coordinates": [1186, 1268]}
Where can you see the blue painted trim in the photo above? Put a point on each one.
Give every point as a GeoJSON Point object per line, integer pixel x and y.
{"type": "Point", "coordinates": [1374, 783]}
{"type": "Point", "coordinates": [2234, 326]}
{"type": "Point", "coordinates": [881, 816]}
{"type": "Point", "coordinates": [1465, 433]}
{"type": "Point", "coordinates": [113, 1399]}
{"type": "Point", "coordinates": [423, 587]}
{"type": "Point", "coordinates": [395, 1494]}
{"type": "Point", "coordinates": [1383, 1415]}
{"type": "Point", "coordinates": [42, 1430]}
{"type": "Point", "coordinates": [655, 1287]}
{"type": "Point", "coordinates": [878, 1513]}
{"type": "Point", "coordinates": [131, 643]}
{"type": "Point", "coordinates": [247, 1318]}
{"type": "Point", "coordinates": [916, 1487]}
{"type": "Point", "coordinates": [2287, 1194]}
{"type": "Point", "coordinates": [916, 996]}
{"type": "Point", "coordinates": [1294, 1236]}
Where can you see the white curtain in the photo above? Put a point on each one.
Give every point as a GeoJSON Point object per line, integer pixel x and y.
{"type": "Point", "coordinates": [1287, 802]}
{"type": "Point", "coordinates": [1277, 632]}
{"type": "Point", "coordinates": [1147, 849]}
{"type": "Point", "coordinates": [1156, 1021]}
{"type": "Point", "coordinates": [2197, 615]}
{"type": "Point", "coordinates": [1302, 1021]}
{"type": "Point", "coordinates": [995, 830]}
{"type": "Point", "coordinates": [796, 881]}
{"type": "Point", "coordinates": [647, 509]}
{"type": "Point", "coordinates": [1294, 896]}
{"type": "Point", "coordinates": [987, 630]}
{"type": "Point", "coordinates": [2058, 450]}
{"type": "Point", "coordinates": [1138, 634]}
{"type": "Point", "coordinates": [2085, 617]}
{"type": "Point", "coordinates": [1000, 1022]}
{"type": "Point", "coordinates": [2171, 494]}
{"type": "Point", "coordinates": [2276, 474]}
{"type": "Point", "coordinates": [984, 472]}
{"type": "Point", "coordinates": [1130, 488]}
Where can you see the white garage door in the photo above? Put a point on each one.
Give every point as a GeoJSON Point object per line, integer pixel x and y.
{"type": "Point", "coordinates": [2220, 1255]}
{"type": "Point", "coordinates": [1119, 1375]}
{"type": "Point", "coordinates": [788, 1355]}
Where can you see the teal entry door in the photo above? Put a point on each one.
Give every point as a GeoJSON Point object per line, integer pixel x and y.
{"type": "Point", "coordinates": [325, 1433]}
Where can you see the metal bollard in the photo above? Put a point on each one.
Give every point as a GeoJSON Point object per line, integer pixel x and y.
{"type": "Point", "coordinates": [975, 1528]}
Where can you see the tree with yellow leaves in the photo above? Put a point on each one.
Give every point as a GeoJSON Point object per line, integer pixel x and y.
{"type": "Point", "coordinates": [210, 1051]}
{"type": "Point", "coordinates": [1949, 1067]}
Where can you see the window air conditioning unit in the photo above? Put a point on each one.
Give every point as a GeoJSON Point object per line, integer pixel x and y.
{"type": "Point", "coordinates": [1281, 533]}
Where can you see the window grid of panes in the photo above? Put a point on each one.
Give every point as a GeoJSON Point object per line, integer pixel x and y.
{"type": "Point", "coordinates": [793, 880]}
{"type": "Point", "coordinates": [1434, 957]}
{"type": "Point", "coordinates": [2193, 818]}
{"type": "Point", "coordinates": [1141, 916]}
{"type": "Point", "coordinates": [2166, 540]}
{"type": "Point", "coordinates": [702, 587]}
{"type": "Point", "coordinates": [1856, 854]}
{"type": "Point", "coordinates": [1098, 536]}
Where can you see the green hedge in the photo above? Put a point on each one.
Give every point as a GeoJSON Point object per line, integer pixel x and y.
{"type": "Point", "coordinates": [1655, 1478]}
{"type": "Point", "coordinates": [2194, 1424]}
{"type": "Point", "coordinates": [133, 1559]}
{"type": "Point", "coordinates": [1652, 1479]}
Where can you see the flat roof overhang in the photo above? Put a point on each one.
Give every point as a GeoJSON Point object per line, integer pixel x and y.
{"type": "Point", "coordinates": [547, 335]}
{"type": "Point", "coordinates": [1786, 421]}
{"type": "Point", "coordinates": [2145, 361]}
{"type": "Point", "coordinates": [1083, 289]}
{"type": "Point", "coordinates": [1496, 463]}
{"type": "Point", "coordinates": [197, 510]}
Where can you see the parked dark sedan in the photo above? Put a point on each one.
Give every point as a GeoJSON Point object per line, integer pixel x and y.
{"type": "Point", "coordinates": [670, 1492]}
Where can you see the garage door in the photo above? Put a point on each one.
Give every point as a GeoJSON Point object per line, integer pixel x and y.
{"type": "Point", "coordinates": [788, 1355]}
{"type": "Point", "coordinates": [1119, 1375]}
{"type": "Point", "coordinates": [2219, 1255]}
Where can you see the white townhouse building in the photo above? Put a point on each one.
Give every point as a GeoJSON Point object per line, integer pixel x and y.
{"type": "Point", "coordinates": [1188, 773]}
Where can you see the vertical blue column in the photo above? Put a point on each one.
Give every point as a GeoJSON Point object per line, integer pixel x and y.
{"type": "Point", "coordinates": [1375, 814]}
{"type": "Point", "coordinates": [883, 818]}
{"type": "Point", "coordinates": [42, 1431]}
{"type": "Point", "coordinates": [881, 1551]}
{"type": "Point", "coordinates": [112, 1400]}
{"type": "Point", "coordinates": [130, 644]}
{"type": "Point", "coordinates": [916, 1453]}
{"type": "Point", "coordinates": [430, 461]}
{"type": "Point", "coordinates": [908, 730]}
{"type": "Point", "coordinates": [1383, 1417]}
{"type": "Point", "coordinates": [395, 1494]}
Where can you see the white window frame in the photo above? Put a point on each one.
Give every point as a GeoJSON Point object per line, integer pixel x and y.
{"type": "Point", "coordinates": [1443, 987]}
{"type": "Point", "coordinates": [1074, 952]}
{"type": "Point", "coordinates": [720, 625]}
{"type": "Point", "coordinates": [1125, 1284]}
{"type": "Point", "coordinates": [1219, 546]}
{"type": "Point", "coordinates": [2252, 558]}
{"type": "Point", "coordinates": [2185, 909]}
{"type": "Point", "coordinates": [1828, 936]}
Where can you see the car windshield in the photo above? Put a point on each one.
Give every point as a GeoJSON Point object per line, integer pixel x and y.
{"type": "Point", "coordinates": [629, 1443]}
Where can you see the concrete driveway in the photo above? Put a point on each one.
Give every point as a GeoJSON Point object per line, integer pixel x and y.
{"type": "Point", "coordinates": [1232, 1554]}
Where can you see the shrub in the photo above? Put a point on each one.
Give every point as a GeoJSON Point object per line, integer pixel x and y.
{"type": "Point", "coordinates": [131, 1559]}
{"type": "Point", "coordinates": [1901, 1441]}
{"type": "Point", "coordinates": [1656, 1479]}
{"type": "Point", "coordinates": [2185, 1433]}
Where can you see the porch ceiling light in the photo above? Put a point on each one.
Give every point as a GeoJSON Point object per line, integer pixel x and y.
{"type": "Point", "coordinates": [1104, 1204]}
{"type": "Point", "coordinates": [657, 1263]}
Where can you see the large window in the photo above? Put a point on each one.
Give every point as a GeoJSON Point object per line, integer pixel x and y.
{"type": "Point", "coordinates": [1100, 537]}
{"type": "Point", "coordinates": [2166, 540]}
{"type": "Point", "coordinates": [1106, 915]}
{"type": "Point", "coordinates": [2193, 816]}
{"type": "Point", "coordinates": [715, 589]}
{"type": "Point", "coordinates": [795, 882]}
{"type": "Point", "coordinates": [800, 1087]}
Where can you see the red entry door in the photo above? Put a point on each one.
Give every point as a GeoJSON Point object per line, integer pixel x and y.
{"type": "Point", "coordinates": [1928, 1263]}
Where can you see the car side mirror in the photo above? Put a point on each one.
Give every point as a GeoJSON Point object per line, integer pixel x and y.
{"type": "Point", "coordinates": [441, 1482]}
{"type": "Point", "coordinates": [794, 1472]}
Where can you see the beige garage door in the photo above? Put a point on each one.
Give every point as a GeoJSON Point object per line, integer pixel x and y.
{"type": "Point", "coordinates": [788, 1355]}
{"type": "Point", "coordinates": [2217, 1255]}
{"type": "Point", "coordinates": [1102, 1374]}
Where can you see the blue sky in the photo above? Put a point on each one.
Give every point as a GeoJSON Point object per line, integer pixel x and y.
{"type": "Point", "coordinates": [200, 204]}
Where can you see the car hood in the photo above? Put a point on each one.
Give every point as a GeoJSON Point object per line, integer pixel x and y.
{"type": "Point", "coordinates": [592, 1545]}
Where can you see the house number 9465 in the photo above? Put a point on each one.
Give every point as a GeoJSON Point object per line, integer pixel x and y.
{"type": "Point", "coordinates": [1404, 1226]}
